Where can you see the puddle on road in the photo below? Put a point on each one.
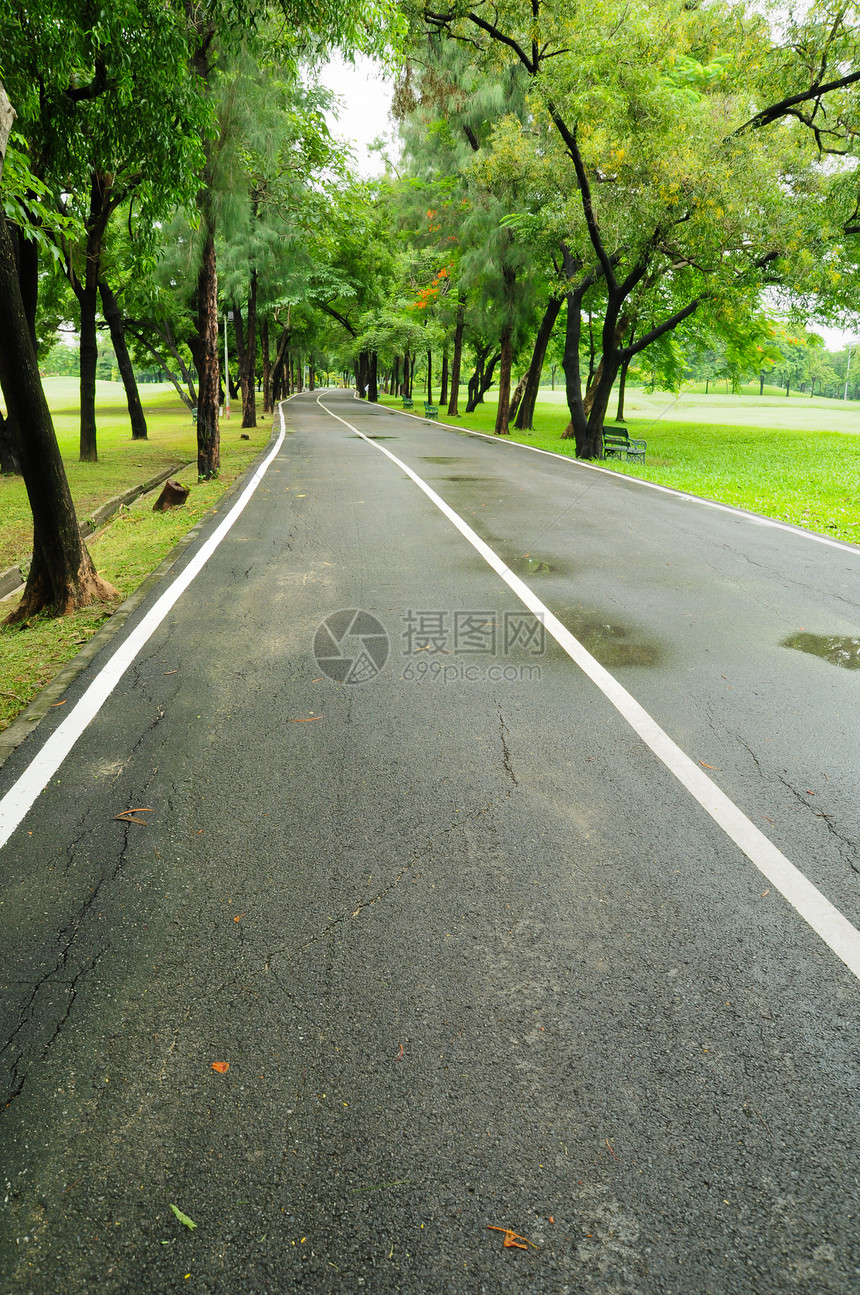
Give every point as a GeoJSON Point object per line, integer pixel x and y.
{"type": "Point", "coordinates": [830, 647]}
{"type": "Point", "coordinates": [467, 478]}
{"type": "Point", "coordinates": [612, 645]}
{"type": "Point", "coordinates": [438, 458]}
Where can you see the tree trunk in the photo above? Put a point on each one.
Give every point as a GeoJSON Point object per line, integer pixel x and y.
{"type": "Point", "coordinates": [443, 394]}
{"type": "Point", "coordinates": [456, 359]}
{"type": "Point", "coordinates": [516, 398]}
{"type": "Point", "coordinates": [249, 397]}
{"type": "Point", "coordinates": [577, 428]}
{"type": "Point", "coordinates": [246, 354]}
{"type": "Point", "coordinates": [505, 363]}
{"type": "Point", "coordinates": [761, 384]}
{"type": "Point", "coordinates": [372, 378]}
{"type": "Point", "coordinates": [429, 376]}
{"type": "Point", "coordinates": [395, 376]}
{"type": "Point", "coordinates": [206, 358]}
{"type": "Point", "coordinates": [476, 385]}
{"type": "Point", "coordinates": [622, 384]}
{"type": "Point", "coordinates": [27, 260]}
{"type": "Point", "coordinates": [100, 208]}
{"type": "Point", "coordinates": [600, 397]}
{"type": "Point", "coordinates": [111, 311]}
{"type": "Point", "coordinates": [526, 412]}
{"type": "Point", "coordinates": [267, 368]}
{"type": "Point", "coordinates": [9, 462]}
{"type": "Point", "coordinates": [89, 355]}
{"type": "Point", "coordinates": [62, 576]}
{"type": "Point", "coordinates": [486, 380]}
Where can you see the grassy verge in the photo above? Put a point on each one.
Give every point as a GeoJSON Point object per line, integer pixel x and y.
{"type": "Point", "coordinates": [808, 477]}
{"type": "Point", "coordinates": [130, 546]}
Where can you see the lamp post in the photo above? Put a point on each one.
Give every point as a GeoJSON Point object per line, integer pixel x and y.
{"type": "Point", "coordinates": [847, 371]}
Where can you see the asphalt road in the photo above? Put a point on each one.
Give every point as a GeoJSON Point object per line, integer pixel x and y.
{"type": "Point", "coordinates": [473, 954]}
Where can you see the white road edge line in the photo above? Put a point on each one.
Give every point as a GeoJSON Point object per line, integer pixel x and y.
{"type": "Point", "coordinates": [29, 786]}
{"type": "Point", "coordinates": [755, 519]}
{"type": "Point", "coordinates": [824, 918]}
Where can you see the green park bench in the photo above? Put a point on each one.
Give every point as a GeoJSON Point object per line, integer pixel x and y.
{"type": "Point", "coordinates": [407, 402]}
{"type": "Point", "coordinates": [618, 445]}
{"type": "Point", "coordinates": [431, 411]}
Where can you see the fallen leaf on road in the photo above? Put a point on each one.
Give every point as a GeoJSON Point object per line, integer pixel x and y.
{"type": "Point", "coordinates": [127, 817]}
{"type": "Point", "coordinates": [765, 892]}
{"type": "Point", "coordinates": [238, 916]}
{"type": "Point", "coordinates": [708, 766]}
{"type": "Point", "coordinates": [183, 1218]}
{"type": "Point", "coordinates": [309, 720]}
{"type": "Point", "coordinates": [609, 1145]}
{"type": "Point", "coordinates": [513, 1238]}
{"type": "Point", "coordinates": [221, 1066]}
{"type": "Point", "coordinates": [56, 703]}
{"type": "Point", "coordinates": [399, 1056]}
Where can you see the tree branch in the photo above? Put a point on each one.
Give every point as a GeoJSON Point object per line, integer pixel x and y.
{"type": "Point", "coordinates": [341, 319]}
{"type": "Point", "coordinates": [673, 321]}
{"type": "Point", "coordinates": [569, 138]}
{"type": "Point", "coordinates": [783, 108]}
{"type": "Point", "coordinates": [505, 40]}
{"type": "Point", "coordinates": [97, 86]}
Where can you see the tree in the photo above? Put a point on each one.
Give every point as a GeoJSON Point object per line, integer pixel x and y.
{"type": "Point", "coordinates": [665, 191]}
{"type": "Point", "coordinates": [62, 575]}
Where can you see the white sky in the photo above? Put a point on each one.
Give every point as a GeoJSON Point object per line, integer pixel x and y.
{"type": "Point", "coordinates": [364, 115]}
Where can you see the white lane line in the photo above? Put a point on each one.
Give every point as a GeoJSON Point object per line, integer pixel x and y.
{"type": "Point", "coordinates": [755, 519]}
{"type": "Point", "coordinates": [824, 918]}
{"type": "Point", "coordinates": [46, 762]}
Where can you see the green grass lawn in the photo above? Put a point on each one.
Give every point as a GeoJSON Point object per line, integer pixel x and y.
{"type": "Point", "coordinates": [808, 475]}
{"type": "Point", "coordinates": [131, 545]}
{"type": "Point", "coordinates": [122, 462]}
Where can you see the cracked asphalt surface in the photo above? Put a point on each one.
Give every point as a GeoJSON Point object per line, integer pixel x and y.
{"type": "Point", "coordinates": [472, 954]}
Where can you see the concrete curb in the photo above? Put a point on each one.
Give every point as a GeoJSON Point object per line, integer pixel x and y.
{"type": "Point", "coordinates": [10, 580]}
{"type": "Point", "coordinates": [29, 719]}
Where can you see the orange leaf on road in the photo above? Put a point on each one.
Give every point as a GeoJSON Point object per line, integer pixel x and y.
{"type": "Point", "coordinates": [221, 1066]}
{"type": "Point", "coordinates": [512, 1238]}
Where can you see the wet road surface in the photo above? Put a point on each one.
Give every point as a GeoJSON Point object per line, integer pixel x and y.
{"type": "Point", "coordinates": [472, 953]}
